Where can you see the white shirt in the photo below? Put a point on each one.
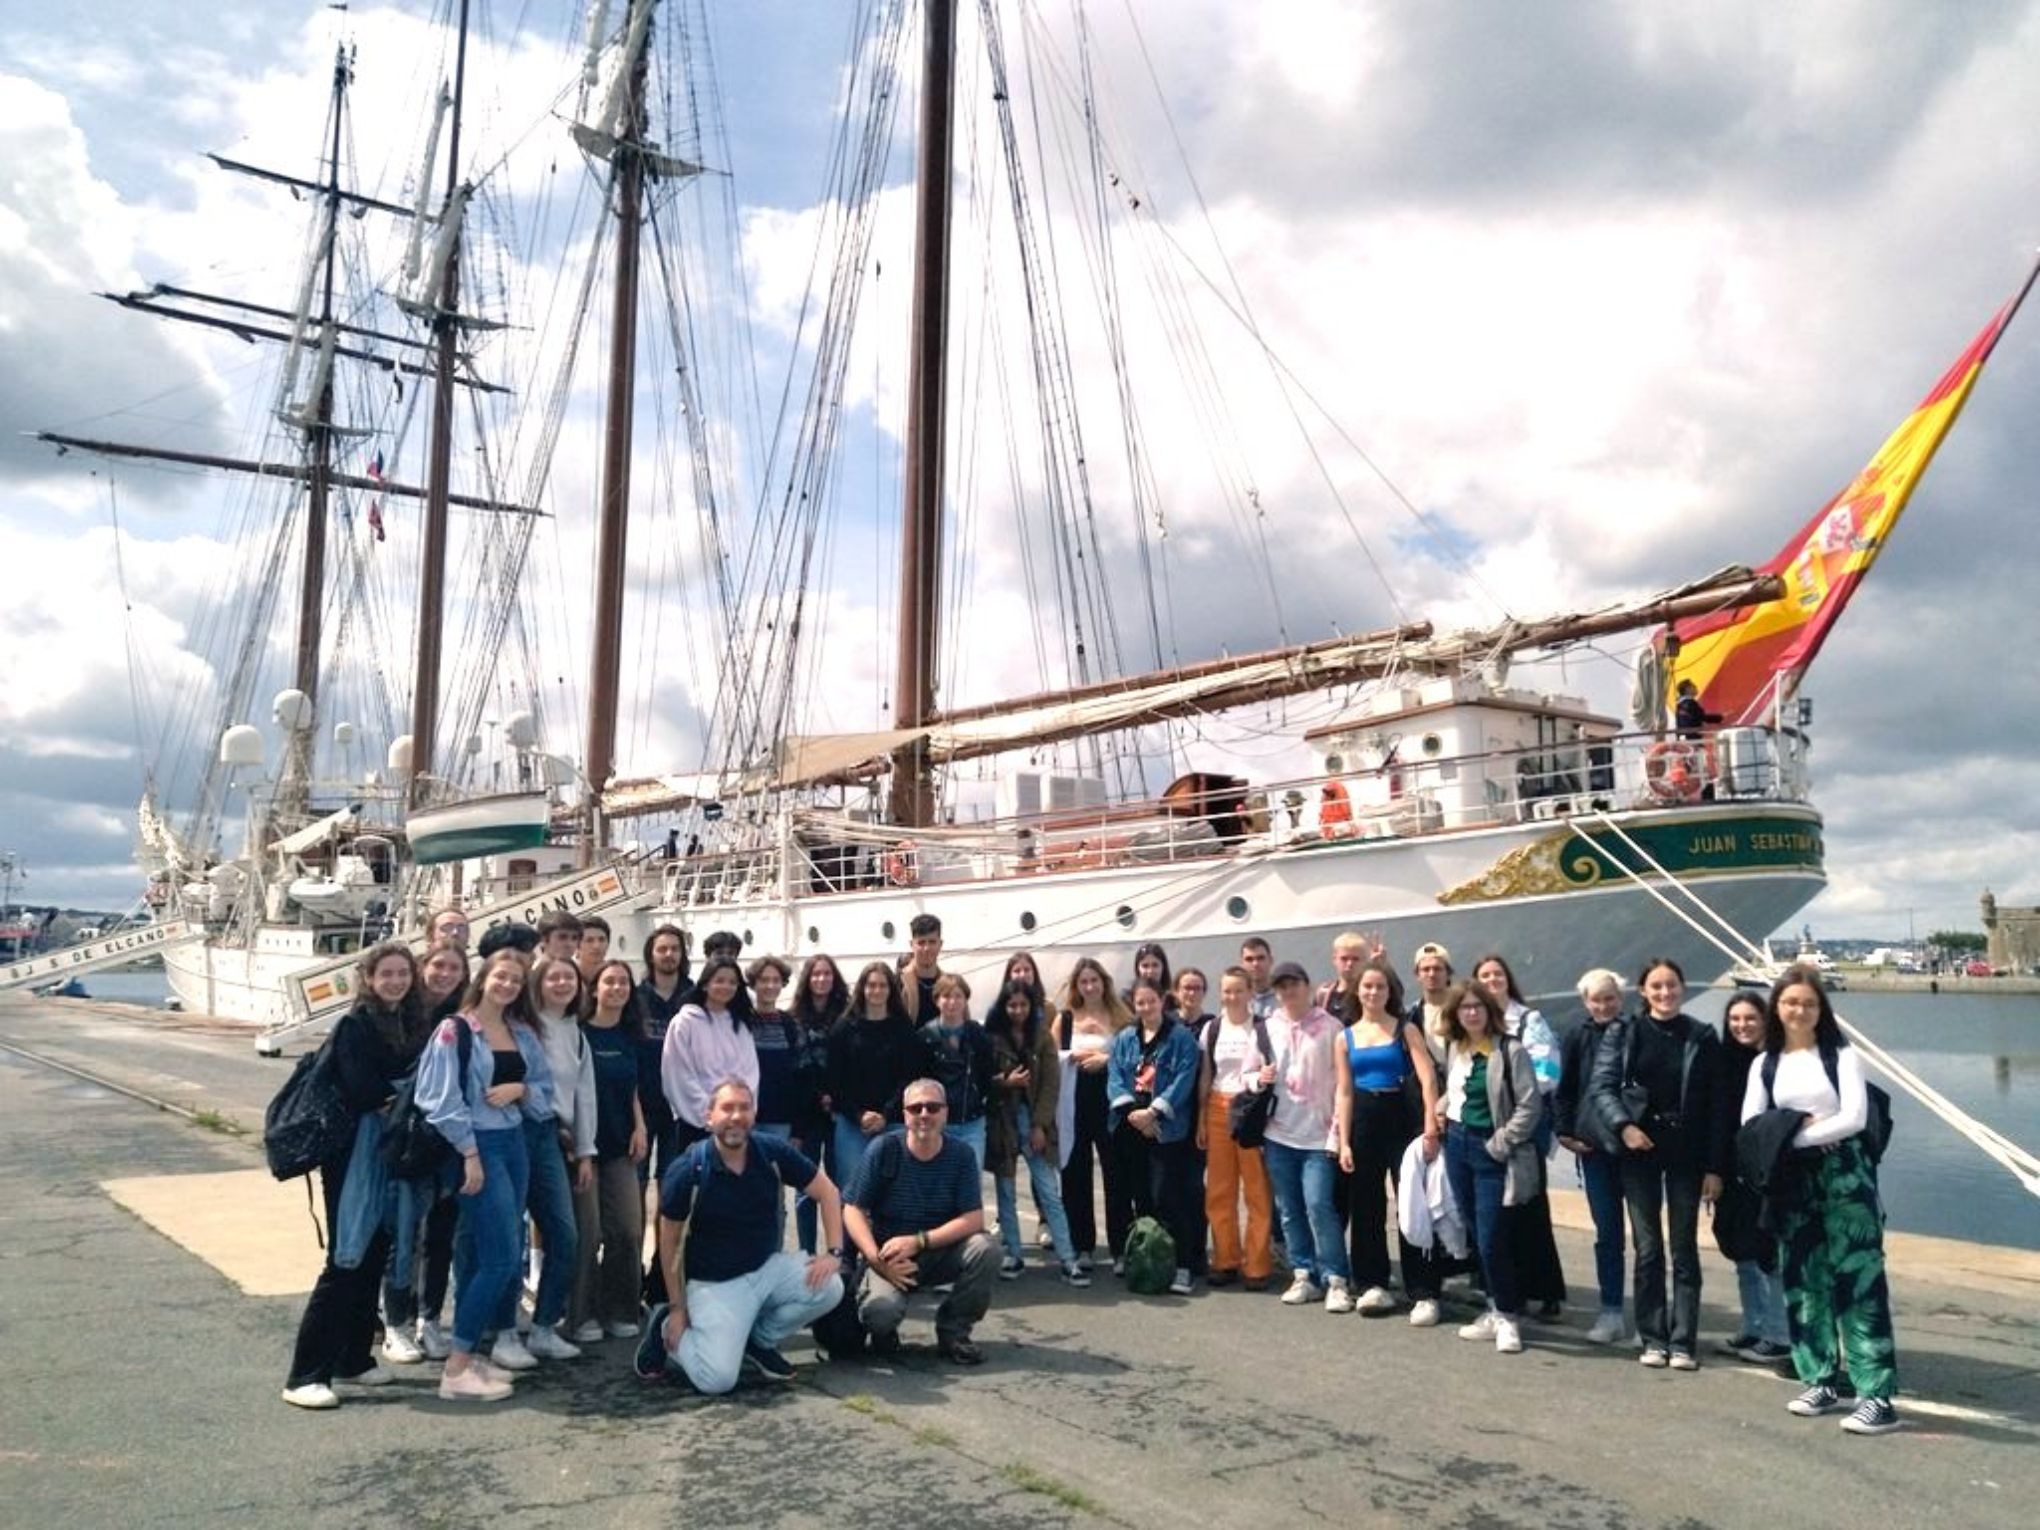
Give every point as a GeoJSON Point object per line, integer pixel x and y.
{"type": "Point", "coordinates": [702, 1049]}
{"type": "Point", "coordinates": [1802, 1084]}
{"type": "Point", "coordinates": [1235, 1054]}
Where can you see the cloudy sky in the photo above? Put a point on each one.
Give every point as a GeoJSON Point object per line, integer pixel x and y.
{"type": "Point", "coordinates": [1612, 294]}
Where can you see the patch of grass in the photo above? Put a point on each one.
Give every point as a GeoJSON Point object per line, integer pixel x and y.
{"type": "Point", "coordinates": [928, 1434]}
{"type": "Point", "coordinates": [218, 1121]}
{"type": "Point", "coordinates": [869, 1406]}
{"type": "Point", "coordinates": [1030, 1479]}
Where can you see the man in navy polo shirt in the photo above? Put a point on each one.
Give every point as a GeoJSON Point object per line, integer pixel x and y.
{"type": "Point", "coordinates": [731, 1295]}
{"type": "Point", "coordinates": [916, 1212]}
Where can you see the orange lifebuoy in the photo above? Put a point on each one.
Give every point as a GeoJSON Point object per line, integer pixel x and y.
{"type": "Point", "coordinates": [1335, 811]}
{"type": "Point", "coordinates": [900, 866]}
{"type": "Point", "coordinates": [1674, 770]}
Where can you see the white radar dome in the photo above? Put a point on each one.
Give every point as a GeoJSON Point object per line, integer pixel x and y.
{"type": "Point", "coordinates": [343, 734]}
{"type": "Point", "coordinates": [241, 745]}
{"type": "Point", "coordinates": [399, 757]}
{"type": "Point", "coordinates": [293, 709]}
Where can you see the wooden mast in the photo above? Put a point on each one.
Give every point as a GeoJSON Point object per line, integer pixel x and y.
{"type": "Point", "coordinates": [912, 801]}
{"type": "Point", "coordinates": [439, 461]}
{"type": "Point", "coordinates": [312, 585]}
{"type": "Point", "coordinates": [614, 526]}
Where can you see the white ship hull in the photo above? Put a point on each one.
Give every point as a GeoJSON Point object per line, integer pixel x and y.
{"type": "Point", "coordinates": [234, 982]}
{"type": "Point", "coordinates": [1502, 888]}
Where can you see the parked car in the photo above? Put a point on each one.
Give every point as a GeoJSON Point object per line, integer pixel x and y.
{"type": "Point", "coordinates": [1976, 967]}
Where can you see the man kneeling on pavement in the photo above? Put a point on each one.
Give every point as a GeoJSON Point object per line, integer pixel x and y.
{"type": "Point", "coordinates": [732, 1296]}
{"type": "Point", "coordinates": [915, 1210]}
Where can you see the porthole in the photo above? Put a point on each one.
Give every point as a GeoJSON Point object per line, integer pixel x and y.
{"type": "Point", "coordinates": [1028, 921]}
{"type": "Point", "coordinates": [1334, 763]}
{"type": "Point", "coordinates": [1236, 908]}
{"type": "Point", "coordinates": [747, 937]}
{"type": "Point", "coordinates": [1124, 916]}
{"type": "Point", "coordinates": [814, 935]}
{"type": "Point", "coordinates": [886, 931]}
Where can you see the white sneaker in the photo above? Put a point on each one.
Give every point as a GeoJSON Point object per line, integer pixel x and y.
{"type": "Point", "coordinates": [547, 1344]}
{"type": "Point", "coordinates": [1302, 1291]}
{"type": "Point", "coordinates": [1374, 1301]}
{"type": "Point", "coordinates": [1424, 1314]}
{"type": "Point", "coordinates": [399, 1348]}
{"type": "Point", "coordinates": [374, 1376]}
{"type": "Point", "coordinates": [472, 1385]}
{"type": "Point", "coordinates": [509, 1354]}
{"type": "Point", "coordinates": [1180, 1286]}
{"type": "Point", "coordinates": [1338, 1295]}
{"type": "Point", "coordinates": [590, 1332]}
{"type": "Point", "coordinates": [1482, 1327]}
{"type": "Point", "coordinates": [621, 1330]}
{"type": "Point", "coordinates": [313, 1394]}
{"type": "Point", "coordinates": [1607, 1329]}
{"type": "Point", "coordinates": [433, 1340]}
{"type": "Point", "coordinates": [1508, 1339]}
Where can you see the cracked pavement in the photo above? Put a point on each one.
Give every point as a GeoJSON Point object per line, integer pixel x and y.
{"type": "Point", "coordinates": [141, 1387]}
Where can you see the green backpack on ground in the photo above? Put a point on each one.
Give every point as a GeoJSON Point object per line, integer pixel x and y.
{"type": "Point", "coordinates": [1150, 1258]}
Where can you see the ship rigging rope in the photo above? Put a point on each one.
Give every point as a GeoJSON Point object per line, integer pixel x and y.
{"type": "Point", "coordinates": [1993, 1144]}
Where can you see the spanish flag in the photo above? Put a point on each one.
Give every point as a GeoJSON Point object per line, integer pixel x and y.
{"type": "Point", "coordinates": [1741, 660]}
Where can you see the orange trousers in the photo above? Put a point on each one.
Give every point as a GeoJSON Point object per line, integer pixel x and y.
{"type": "Point", "coordinates": [1231, 1171]}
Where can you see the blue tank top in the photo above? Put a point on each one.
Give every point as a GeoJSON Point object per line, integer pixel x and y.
{"type": "Point", "coordinates": [1377, 1068]}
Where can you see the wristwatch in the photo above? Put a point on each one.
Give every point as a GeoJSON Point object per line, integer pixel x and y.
{"type": "Point", "coordinates": [833, 1253]}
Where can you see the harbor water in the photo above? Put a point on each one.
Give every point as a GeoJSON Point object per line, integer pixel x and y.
{"type": "Point", "coordinates": [1980, 1050]}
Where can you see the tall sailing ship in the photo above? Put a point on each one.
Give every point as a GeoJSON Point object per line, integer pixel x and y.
{"type": "Point", "coordinates": [1425, 797]}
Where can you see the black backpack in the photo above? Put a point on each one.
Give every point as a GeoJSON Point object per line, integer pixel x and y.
{"type": "Point", "coordinates": [412, 1147]}
{"type": "Point", "coordinates": [839, 1332]}
{"type": "Point", "coordinates": [307, 1121]}
{"type": "Point", "coordinates": [1876, 1130]}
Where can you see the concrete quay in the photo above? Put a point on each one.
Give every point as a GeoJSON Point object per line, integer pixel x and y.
{"type": "Point", "coordinates": [151, 1274]}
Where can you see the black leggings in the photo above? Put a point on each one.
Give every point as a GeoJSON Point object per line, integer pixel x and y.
{"type": "Point", "coordinates": [336, 1333]}
{"type": "Point", "coordinates": [1093, 1136]}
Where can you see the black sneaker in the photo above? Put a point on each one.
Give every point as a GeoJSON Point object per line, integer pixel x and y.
{"type": "Point", "coordinates": [763, 1360]}
{"type": "Point", "coordinates": [1767, 1352]}
{"type": "Point", "coordinates": [960, 1352]}
{"type": "Point", "coordinates": [1873, 1415]}
{"type": "Point", "coordinates": [650, 1361]}
{"type": "Point", "coordinates": [885, 1346]}
{"type": "Point", "coordinates": [1816, 1400]}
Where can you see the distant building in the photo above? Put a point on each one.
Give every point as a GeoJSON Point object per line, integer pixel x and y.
{"type": "Point", "coordinates": [2011, 935]}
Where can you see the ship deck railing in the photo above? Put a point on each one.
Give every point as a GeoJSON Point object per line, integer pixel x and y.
{"type": "Point", "coordinates": [1404, 800]}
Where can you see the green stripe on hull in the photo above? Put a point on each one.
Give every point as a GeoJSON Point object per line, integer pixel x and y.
{"type": "Point", "coordinates": [1756, 843]}
{"type": "Point", "coordinates": [1700, 846]}
{"type": "Point", "coordinates": [433, 849]}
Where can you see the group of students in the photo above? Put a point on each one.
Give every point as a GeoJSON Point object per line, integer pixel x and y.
{"type": "Point", "coordinates": [1270, 1122]}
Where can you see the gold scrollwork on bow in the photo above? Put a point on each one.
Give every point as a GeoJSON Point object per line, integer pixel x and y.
{"type": "Point", "coordinates": [1530, 870]}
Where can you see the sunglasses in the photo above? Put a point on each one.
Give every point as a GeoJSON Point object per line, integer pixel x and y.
{"type": "Point", "coordinates": [925, 1109]}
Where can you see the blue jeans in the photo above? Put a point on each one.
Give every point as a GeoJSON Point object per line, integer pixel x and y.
{"type": "Point", "coordinates": [1302, 1180]}
{"type": "Point", "coordinates": [487, 1243]}
{"type": "Point", "coordinates": [972, 1135]}
{"type": "Point", "coordinates": [1478, 1184]}
{"type": "Point", "coordinates": [1763, 1302]}
{"type": "Point", "coordinates": [549, 1197]}
{"type": "Point", "coordinates": [1046, 1181]}
{"type": "Point", "coordinates": [1602, 1177]}
{"type": "Point", "coordinates": [763, 1308]}
{"type": "Point", "coordinates": [851, 1145]}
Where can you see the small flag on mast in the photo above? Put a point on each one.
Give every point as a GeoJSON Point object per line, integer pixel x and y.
{"type": "Point", "coordinates": [375, 475]}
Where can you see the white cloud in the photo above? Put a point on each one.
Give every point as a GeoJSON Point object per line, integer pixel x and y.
{"type": "Point", "coordinates": [1612, 293]}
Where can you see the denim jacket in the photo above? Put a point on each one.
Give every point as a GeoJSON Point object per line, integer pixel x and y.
{"type": "Point", "coordinates": [445, 1097]}
{"type": "Point", "coordinates": [1175, 1087]}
